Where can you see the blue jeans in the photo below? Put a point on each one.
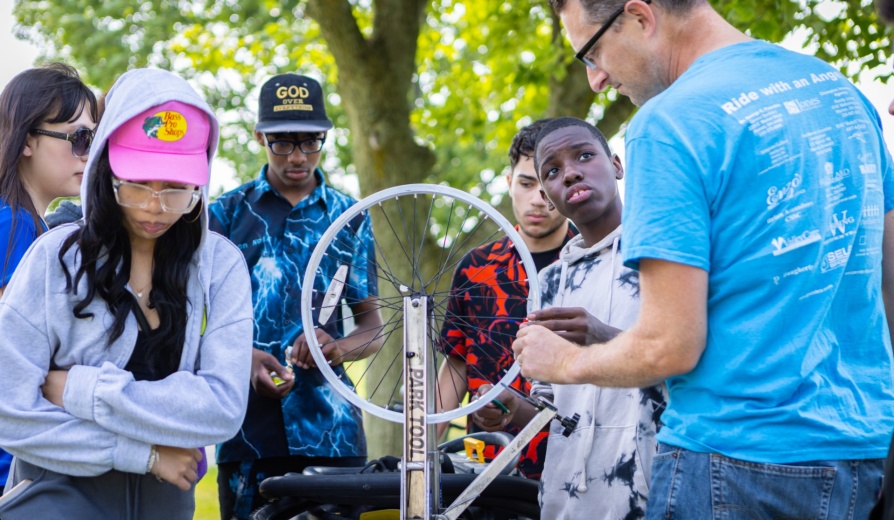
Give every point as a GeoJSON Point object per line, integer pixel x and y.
{"type": "Point", "coordinates": [701, 486]}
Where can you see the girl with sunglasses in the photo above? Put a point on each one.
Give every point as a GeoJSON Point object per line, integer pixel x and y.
{"type": "Point", "coordinates": [47, 117]}
{"type": "Point", "coordinates": [127, 336]}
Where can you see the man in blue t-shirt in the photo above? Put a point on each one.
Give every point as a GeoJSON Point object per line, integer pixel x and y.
{"type": "Point", "coordinates": [276, 220]}
{"type": "Point", "coordinates": [758, 190]}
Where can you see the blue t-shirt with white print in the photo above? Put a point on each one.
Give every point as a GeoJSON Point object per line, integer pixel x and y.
{"type": "Point", "coordinates": [277, 240]}
{"type": "Point", "coordinates": [767, 169]}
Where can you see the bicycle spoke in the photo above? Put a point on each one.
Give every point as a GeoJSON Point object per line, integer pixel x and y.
{"type": "Point", "coordinates": [397, 355]}
{"type": "Point", "coordinates": [376, 355]}
{"type": "Point", "coordinates": [413, 263]}
{"type": "Point", "coordinates": [361, 348]}
{"type": "Point", "coordinates": [450, 267]}
{"type": "Point", "coordinates": [452, 242]}
{"type": "Point", "coordinates": [394, 233]}
{"type": "Point", "coordinates": [389, 275]}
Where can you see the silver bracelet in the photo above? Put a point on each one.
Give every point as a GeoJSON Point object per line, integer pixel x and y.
{"type": "Point", "coordinates": [153, 458]}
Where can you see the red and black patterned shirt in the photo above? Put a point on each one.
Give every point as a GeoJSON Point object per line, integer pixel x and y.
{"type": "Point", "coordinates": [487, 304]}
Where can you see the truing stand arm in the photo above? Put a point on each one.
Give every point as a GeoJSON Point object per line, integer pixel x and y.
{"type": "Point", "coordinates": [546, 414]}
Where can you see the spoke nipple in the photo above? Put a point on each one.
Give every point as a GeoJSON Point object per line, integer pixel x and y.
{"type": "Point", "coordinates": [411, 354]}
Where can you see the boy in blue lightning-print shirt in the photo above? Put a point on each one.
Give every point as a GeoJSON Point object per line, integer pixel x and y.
{"type": "Point", "coordinates": [276, 220]}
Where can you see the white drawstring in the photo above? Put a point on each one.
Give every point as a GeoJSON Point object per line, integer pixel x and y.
{"type": "Point", "coordinates": [562, 279]}
{"type": "Point", "coordinates": [616, 244]}
{"type": "Point", "coordinates": [560, 302]}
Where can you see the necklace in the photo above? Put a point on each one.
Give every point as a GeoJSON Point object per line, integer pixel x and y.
{"type": "Point", "coordinates": [141, 291]}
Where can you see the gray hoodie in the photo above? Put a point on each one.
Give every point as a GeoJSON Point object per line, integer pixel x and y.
{"type": "Point", "coordinates": [109, 421]}
{"type": "Point", "coordinates": [602, 469]}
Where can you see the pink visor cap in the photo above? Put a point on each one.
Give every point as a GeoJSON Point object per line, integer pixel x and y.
{"type": "Point", "coordinates": [168, 142]}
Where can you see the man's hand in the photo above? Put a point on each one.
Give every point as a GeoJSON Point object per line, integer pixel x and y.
{"type": "Point", "coordinates": [262, 364]}
{"type": "Point", "coordinates": [179, 466]}
{"type": "Point", "coordinates": [572, 323]}
{"type": "Point", "coordinates": [54, 386]}
{"type": "Point", "coordinates": [301, 356]}
{"type": "Point", "coordinates": [545, 356]}
{"type": "Point", "coordinates": [491, 417]}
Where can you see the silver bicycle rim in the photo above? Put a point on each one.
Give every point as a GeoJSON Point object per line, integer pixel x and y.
{"type": "Point", "coordinates": [347, 391]}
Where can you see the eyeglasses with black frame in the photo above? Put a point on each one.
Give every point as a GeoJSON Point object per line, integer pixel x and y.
{"type": "Point", "coordinates": [286, 146]}
{"type": "Point", "coordinates": [173, 200]}
{"type": "Point", "coordinates": [582, 53]}
{"type": "Point", "coordinates": [80, 139]}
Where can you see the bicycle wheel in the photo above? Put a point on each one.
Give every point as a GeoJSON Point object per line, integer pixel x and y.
{"type": "Point", "coordinates": [422, 232]}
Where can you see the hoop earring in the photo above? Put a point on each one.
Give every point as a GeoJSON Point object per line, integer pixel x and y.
{"type": "Point", "coordinates": [198, 215]}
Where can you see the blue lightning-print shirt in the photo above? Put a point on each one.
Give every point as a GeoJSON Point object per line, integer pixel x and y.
{"type": "Point", "coordinates": [277, 240]}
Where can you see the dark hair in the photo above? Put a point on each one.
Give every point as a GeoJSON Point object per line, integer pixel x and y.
{"type": "Point", "coordinates": [598, 11]}
{"type": "Point", "coordinates": [885, 9]}
{"type": "Point", "coordinates": [53, 93]}
{"type": "Point", "coordinates": [104, 252]}
{"type": "Point", "coordinates": [524, 141]}
{"type": "Point", "coordinates": [565, 122]}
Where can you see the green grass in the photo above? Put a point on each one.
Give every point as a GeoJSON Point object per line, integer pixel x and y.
{"type": "Point", "coordinates": [207, 507]}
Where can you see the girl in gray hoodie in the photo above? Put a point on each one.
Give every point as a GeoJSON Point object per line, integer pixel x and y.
{"type": "Point", "coordinates": [126, 337]}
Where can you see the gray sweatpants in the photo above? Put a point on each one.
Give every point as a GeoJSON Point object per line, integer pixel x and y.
{"type": "Point", "coordinates": [113, 495]}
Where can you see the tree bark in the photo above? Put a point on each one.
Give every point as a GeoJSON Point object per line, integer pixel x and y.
{"type": "Point", "coordinates": [375, 82]}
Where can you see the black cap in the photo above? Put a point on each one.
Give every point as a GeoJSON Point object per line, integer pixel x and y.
{"type": "Point", "coordinates": [292, 103]}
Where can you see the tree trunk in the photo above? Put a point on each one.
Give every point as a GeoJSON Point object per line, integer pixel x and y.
{"type": "Point", "coordinates": [375, 82]}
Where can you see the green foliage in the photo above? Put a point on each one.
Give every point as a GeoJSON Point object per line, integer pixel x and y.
{"type": "Point", "coordinates": [485, 69]}
{"type": "Point", "coordinates": [846, 33]}
{"type": "Point", "coordinates": [484, 66]}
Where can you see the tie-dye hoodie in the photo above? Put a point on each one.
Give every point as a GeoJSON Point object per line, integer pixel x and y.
{"type": "Point", "coordinates": [602, 469]}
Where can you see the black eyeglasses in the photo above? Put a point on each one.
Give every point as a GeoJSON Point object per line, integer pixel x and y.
{"type": "Point", "coordinates": [80, 140]}
{"type": "Point", "coordinates": [286, 147]}
{"type": "Point", "coordinates": [582, 53]}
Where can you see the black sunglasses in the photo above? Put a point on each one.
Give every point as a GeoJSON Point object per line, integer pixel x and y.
{"type": "Point", "coordinates": [582, 53]}
{"type": "Point", "coordinates": [80, 140]}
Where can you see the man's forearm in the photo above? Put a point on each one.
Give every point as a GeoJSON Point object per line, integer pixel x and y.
{"type": "Point", "coordinates": [667, 339]}
{"type": "Point", "coordinates": [630, 360]}
{"type": "Point", "coordinates": [361, 344]}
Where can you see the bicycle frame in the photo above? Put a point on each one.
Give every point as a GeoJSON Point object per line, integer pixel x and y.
{"type": "Point", "coordinates": [420, 471]}
{"type": "Point", "coordinates": [420, 488]}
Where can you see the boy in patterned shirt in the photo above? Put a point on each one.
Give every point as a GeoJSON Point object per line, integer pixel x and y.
{"type": "Point", "coordinates": [301, 421]}
{"type": "Point", "coordinates": [478, 330]}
